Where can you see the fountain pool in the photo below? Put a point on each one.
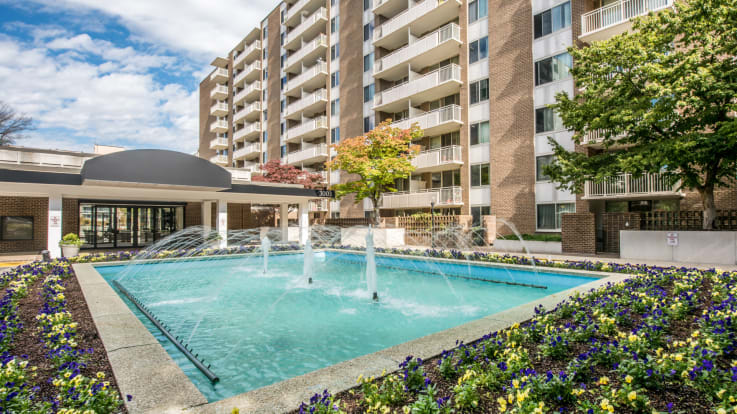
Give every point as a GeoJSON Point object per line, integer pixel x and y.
{"type": "Point", "coordinates": [258, 328]}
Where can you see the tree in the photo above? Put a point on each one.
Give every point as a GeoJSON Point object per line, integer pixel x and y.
{"type": "Point", "coordinates": [275, 172]}
{"type": "Point", "coordinates": [12, 124]}
{"type": "Point", "coordinates": [663, 98]}
{"type": "Point", "coordinates": [378, 158]}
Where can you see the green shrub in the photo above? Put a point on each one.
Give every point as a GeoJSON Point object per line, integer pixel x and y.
{"type": "Point", "coordinates": [533, 237]}
{"type": "Point", "coordinates": [70, 239]}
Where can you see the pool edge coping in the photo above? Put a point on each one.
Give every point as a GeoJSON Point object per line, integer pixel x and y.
{"type": "Point", "coordinates": [286, 395]}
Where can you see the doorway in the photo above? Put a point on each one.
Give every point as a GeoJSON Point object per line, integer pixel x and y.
{"type": "Point", "coordinates": [122, 226]}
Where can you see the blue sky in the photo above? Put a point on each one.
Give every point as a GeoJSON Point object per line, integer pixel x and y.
{"type": "Point", "coordinates": [115, 72]}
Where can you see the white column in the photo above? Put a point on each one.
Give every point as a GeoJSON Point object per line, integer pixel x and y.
{"type": "Point", "coordinates": [304, 222]}
{"type": "Point", "coordinates": [206, 216]}
{"type": "Point", "coordinates": [284, 222]}
{"type": "Point", "coordinates": [222, 224]}
{"type": "Point", "coordinates": [54, 225]}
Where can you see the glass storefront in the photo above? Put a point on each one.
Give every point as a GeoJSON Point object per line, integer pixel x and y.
{"type": "Point", "coordinates": [116, 225]}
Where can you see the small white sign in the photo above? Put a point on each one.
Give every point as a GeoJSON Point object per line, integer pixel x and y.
{"type": "Point", "coordinates": [54, 221]}
{"type": "Point", "coordinates": [672, 239]}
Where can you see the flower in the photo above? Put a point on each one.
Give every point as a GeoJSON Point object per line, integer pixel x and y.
{"type": "Point", "coordinates": [632, 396]}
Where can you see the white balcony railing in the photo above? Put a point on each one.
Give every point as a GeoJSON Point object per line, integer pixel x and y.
{"type": "Point", "coordinates": [626, 185]}
{"type": "Point", "coordinates": [319, 42]}
{"type": "Point", "coordinates": [435, 118]}
{"type": "Point", "coordinates": [596, 136]}
{"type": "Point", "coordinates": [420, 46]}
{"type": "Point", "coordinates": [219, 159]}
{"type": "Point", "coordinates": [619, 12]}
{"type": "Point", "coordinates": [219, 109]}
{"type": "Point", "coordinates": [242, 75]}
{"type": "Point", "coordinates": [317, 16]}
{"type": "Point", "coordinates": [251, 89]}
{"type": "Point", "coordinates": [318, 205]}
{"type": "Point", "coordinates": [309, 153]}
{"type": "Point", "coordinates": [16, 156]}
{"type": "Point", "coordinates": [219, 92]}
{"type": "Point", "coordinates": [247, 150]}
{"type": "Point", "coordinates": [307, 75]}
{"type": "Point", "coordinates": [218, 143]}
{"type": "Point", "coordinates": [435, 158]}
{"type": "Point", "coordinates": [445, 196]}
{"type": "Point", "coordinates": [239, 174]}
{"type": "Point", "coordinates": [306, 127]}
{"type": "Point", "coordinates": [251, 108]}
{"type": "Point", "coordinates": [448, 73]}
{"type": "Point", "coordinates": [251, 129]}
{"type": "Point", "coordinates": [248, 51]}
{"type": "Point", "coordinates": [307, 100]}
{"type": "Point", "coordinates": [219, 126]}
{"type": "Point", "coordinates": [409, 15]}
{"type": "Point", "coordinates": [219, 75]}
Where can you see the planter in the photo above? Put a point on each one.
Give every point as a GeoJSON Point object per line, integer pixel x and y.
{"type": "Point", "coordinates": [384, 238]}
{"type": "Point", "coordinates": [533, 246]}
{"type": "Point", "coordinates": [69, 250]}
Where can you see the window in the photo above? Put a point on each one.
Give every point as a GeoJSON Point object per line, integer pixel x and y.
{"type": "Point", "coordinates": [450, 178]}
{"type": "Point", "coordinates": [549, 21]}
{"type": "Point", "coordinates": [335, 107]}
{"type": "Point", "coordinates": [335, 51]}
{"type": "Point", "coordinates": [283, 83]}
{"type": "Point", "coordinates": [266, 115]}
{"type": "Point", "coordinates": [541, 162]}
{"type": "Point", "coordinates": [282, 60]}
{"type": "Point", "coordinates": [283, 14]}
{"type": "Point", "coordinates": [282, 35]}
{"type": "Point", "coordinates": [265, 33]}
{"type": "Point", "coordinates": [548, 215]}
{"type": "Point", "coordinates": [283, 150]}
{"type": "Point", "coordinates": [368, 92]}
{"type": "Point", "coordinates": [334, 79]}
{"type": "Point", "coordinates": [265, 136]}
{"type": "Point", "coordinates": [480, 133]}
{"type": "Point", "coordinates": [368, 124]}
{"type": "Point", "coordinates": [264, 157]}
{"type": "Point", "coordinates": [368, 31]}
{"type": "Point", "coordinates": [266, 54]}
{"type": "Point", "coordinates": [266, 74]}
{"type": "Point", "coordinates": [479, 175]}
{"type": "Point", "coordinates": [332, 2]}
{"type": "Point", "coordinates": [335, 135]}
{"type": "Point", "coordinates": [478, 49]}
{"type": "Point", "coordinates": [479, 91]}
{"type": "Point", "coordinates": [16, 228]}
{"type": "Point", "coordinates": [366, 4]}
{"type": "Point", "coordinates": [282, 128]}
{"type": "Point", "coordinates": [553, 69]}
{"type": "Point", "coordinates": [477, 212]}
{"type": "Point", "coordinates": [546, 120]}
{"type": "Point", "coordinates": [477, 9]}
{"type": "Point", "coordinates": [283, 105]}
{"type": "Point", "coordinates": [368, 62]}
{"type": "Point", "coordinates": [334, 24]}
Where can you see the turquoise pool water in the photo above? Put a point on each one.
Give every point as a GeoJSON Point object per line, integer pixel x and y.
{"type": "Point", "coordinates": [257, 329]}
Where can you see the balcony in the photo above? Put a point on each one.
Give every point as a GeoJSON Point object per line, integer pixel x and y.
{"type": "Point", "coordinates": [219, 75]}
{"type": "Point", "coordinates": [615, 18]}
{"type": "Point", "coordinates": [595, 138]}
{"type": "Point", "coordinates": [251, 73]}
{"type": "Point", "coordinates": [252, 166]}
{"type": "Point", "coordinates": [251, 112]}
{"type": "Point", "coordinates": [309, 104]}
{"type": "Point", "coordinates": [629, 186]}
{"type": "Point", "coordinates": [439, 159]}
{"type": "Point", "coordinates": [308, 53]}
{"type": "Point", "coordinates": [250, 131]}
{"type": "Point", "coordinates": [318, 205]}
{"type": "Point", "coordinates": [249, 93]}
{"type": "Point", "coordinates": [308, 28]}
{"type": "Point", "coordinates": [420, 53]}
{"type": "Point", "coordinates": [292, 17]}
{"type": "Point", "coordinates": [388, 7]}
{"type": "Point", "coordinates": [309, 155]}
{"type": "Point", "coordinates": [219, 109]}
{"type": "Point", "coordinates": [221, 160]}
{"type": "Point", "coordinates": [310, 78]}
{"type": "Point", "coordinates": [219, 92]}
{"type": "Point", "coordinates": [219, 126]}
{"type": "Point", "coordinates": [442, 197]}
{"type": "Point", "coordinates": [430, 87]}
{"type": "Point", "coordinates": [308, 129]}
{"type": "Point", "coordinates": [248, 151]}
{"type": "Point", "coordinates": [417, 18]}
{"type": "Point", "coordinates": [219, 143]}
{"type": "Point", "coordinates": [239, 174]}
{"type": "Point", "coordinates": [250, 53]}
{"type": "Point", "coordinates": [436, 122]}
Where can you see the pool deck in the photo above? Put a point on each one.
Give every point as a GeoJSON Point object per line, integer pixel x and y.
{"type": "Point", "coordinates": [143, 369]}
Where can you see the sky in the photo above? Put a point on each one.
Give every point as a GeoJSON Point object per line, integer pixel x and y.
{"type": "Point", "coordinates": [115, 72]}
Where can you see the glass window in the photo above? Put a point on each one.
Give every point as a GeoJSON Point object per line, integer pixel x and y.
{"type": "Point", "coordinates": [479, 91]}
{"type": "Point", "coordinates": [549, 215]}
{"type": "Point", "coordinates": [617, 206]}
{"type": "Point", "coordinates": [478, 49]}
{"type": "Point", "coordinates": [541, 162]}
{"type": "Point", "coordinates": [335, 51]}
{"type": "Point", "coordinates": [16, 228]}
{"type": "Point", "coordinates": [283, 151]}
{"type": "Point", "coordinates": [283, 83]}
{"type": "Point", "coordinates": [368, 92]}
{"type": "Point", "coordinates": [368, 31]}
{"type": "Point", "coordinates": [553, 69]}
{"type": "Point", "coordinates": [366, 4]}
{"type": "Point", "coordinates": [334, 79]}
{"type": "Point", "coordinates": [334, 24]}
{"type": "Point", "coordinates": [666, 205]}
{"type": "Point", "coordinates": [547, 120]}
{"type": "Point", "coordinates": [368, 123]}
{"type": "Point", "coordinates": [335, 107]}
{"type": "Point", "coordinates": [368, 62]}
{"type": "Point", "coordinates": [283, 105]}
{"type": "Point", "coordinates": [479, 175]}
{"type": "Point", "coordinates": [335, 135]}
{"type": "Point", "coordinates": [477, 9]}
{"type": "Point", "coordinates": [552, 20]}
{"type": "Point", "coordinates": [480, 133]}
{"type": "Point", "coordinates": [477, 212]}
{"type": "Point", "coordinates": [282, 35]}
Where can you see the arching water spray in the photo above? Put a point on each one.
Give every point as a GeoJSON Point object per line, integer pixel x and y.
{"type": "Point", "coordinates": [371, 264]}
{"type": "Point", "coordinates": [308, 261]}
{"type": "Point", "coordinates": [265, 247]}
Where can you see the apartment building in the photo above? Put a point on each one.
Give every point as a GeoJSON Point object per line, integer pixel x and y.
{"type": "Point", "coordinates": [476, 75]}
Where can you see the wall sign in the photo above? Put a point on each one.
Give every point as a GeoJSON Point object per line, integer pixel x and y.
{"type": "Point", "coordinates": [54, 221]}
{"type": "Point", "coordinates": [671, 238]}
{"type": "Point", "coordinates": [325, 193]}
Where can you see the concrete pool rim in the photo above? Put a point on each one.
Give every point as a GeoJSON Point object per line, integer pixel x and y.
{"type": "Point", "coordinates": [144, 369]}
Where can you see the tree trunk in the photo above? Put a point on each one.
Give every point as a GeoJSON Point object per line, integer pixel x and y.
{"type": "Point", "coordinates": [377, 216]}
{"type": "Point", "coordinates": [710, 209]}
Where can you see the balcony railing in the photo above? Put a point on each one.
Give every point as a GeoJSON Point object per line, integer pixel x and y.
{"type": "Point", "coordinates": [248, 51]}
{"type": "Point", "coordinates": [219, 92]}
{"type": "Point", "coordinates": [320, 14]}
{"type": "Point", "coordinates": [319, 95]}
{"type": "Point", "coordinates": [627, 185]}
{"type": "Point", "coordinates": [413, 13]}
{"type": "Point", "coordinates": [219, 75]}
{"type": "Point", "coordinates": [252, 89]}
{"type": "Point", "coordinates": [421, 85]}
{"type": "Point", "coordinates": [445, 196]}
{"type": "Point", "coordinates": [219, 109]}
{"type": "Point", "coordinates": [619, 12]}
{"type": "Point", "coordinates": [321, 41]}
{"type": "Point", "coordinates": [596, 136]}
{"type": "Point", "coordinates": [218, 143]}
{"type": "Point", "coordinates": [252, 129]}
{"type": "Point", "coordinates": [13, 156]}
{"type": "Point", "coordinates": [430, 121]}
{"type": "Point", "coordinates": [246, 73]}
{"type": "Point", "coordinates": [219, 159]}
{"type": "Point", "coordinates": [318, 205]}
{"type": "Point", "coordinates": [418, 47]}
{"type": "Point", "coordinates": [307, 75]}
{"type": "Point", "coordinates": [312, 153]}
{"type": "Point", "coordinates": [296, 8]}
{"type": "Point", "coordinates": [219, 126]}
{"type": "Point", "coordinates": [247, 151]}
{"type": "Point", "coordinates": [436, 159]}
{"type": "Point", "coordinates": [308, 127]}
{"type": "Point", "coordinates": [252, 108]}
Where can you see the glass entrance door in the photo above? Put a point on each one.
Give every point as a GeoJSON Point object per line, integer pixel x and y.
{"type": "Point", "coordinates": [113, 226]}
{"type": "Point", "coordinates": [104, 227]}
{"type": "Point", "coordinates": [126, 226]}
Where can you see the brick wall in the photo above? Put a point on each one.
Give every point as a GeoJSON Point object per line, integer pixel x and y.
{"type": "Point", "coordinates": [273, 97]}
{"type": "Point", "coordinates": [578, 233]}
{"type": "Point", "coordinates": [69, 216]}
{"type": "Point", "coordinates": [193, 214]}
{"type": "Point", "coordinates": [239, 217]}
{"type": "Point", "coordinates": [613, 223]}
{"type": "Point", "coordinates": [205, 119]}
{"type": "Point", "coordinates": [38, 208]}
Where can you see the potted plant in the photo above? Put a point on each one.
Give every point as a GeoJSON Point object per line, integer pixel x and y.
{"type": "Point", "coordinates": [70, 244]}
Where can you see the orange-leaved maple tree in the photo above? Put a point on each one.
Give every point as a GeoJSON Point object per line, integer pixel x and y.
{"type": "Point", "coordinates": [276, 172]}
{"type": "Point", "coordinates": [378, 158]}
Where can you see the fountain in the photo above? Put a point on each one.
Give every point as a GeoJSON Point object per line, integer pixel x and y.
{"type": "Point", "coordinates": [308, 261]}
{"type": "Point", "coordinates": [265, 247]}
{"type": "Point", "coordinates": [371, 264]}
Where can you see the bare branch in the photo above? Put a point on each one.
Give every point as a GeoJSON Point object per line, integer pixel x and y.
{"type": "Point", "coordinates": [12, 124]}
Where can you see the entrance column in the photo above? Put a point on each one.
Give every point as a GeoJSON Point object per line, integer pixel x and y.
{"type": "Point", "coordinates": [304, 221]}
{"type": "Point", "coordinates": [54, 225]}
{"type": "Point", "coordinates": [206, 216]}
{"type": "Point", "coordinates": [222, 224]}
{"type": "Point", "coordinates": [284, 222]}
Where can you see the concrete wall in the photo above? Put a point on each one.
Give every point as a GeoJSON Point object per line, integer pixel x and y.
{"type": "Point", "coordinates": [530, 246]}
{"type": "Point", "coordinates": [385, 238]}
{"type": "Point", "coordinates": [698, 247]}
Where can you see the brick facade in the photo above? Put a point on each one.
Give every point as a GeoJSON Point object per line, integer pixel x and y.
{"type": "Point", "coordinates": [579, 233]}
{"type": "Point", "coordinates": [69, 216]}
{"type": "Point", "coordinates": [36, 207]}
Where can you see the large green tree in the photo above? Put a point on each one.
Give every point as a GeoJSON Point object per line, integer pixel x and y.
{"type": "Point", "coordinates": [663, 96]}
{"type": "Point", "coordinates": [378, 158]}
